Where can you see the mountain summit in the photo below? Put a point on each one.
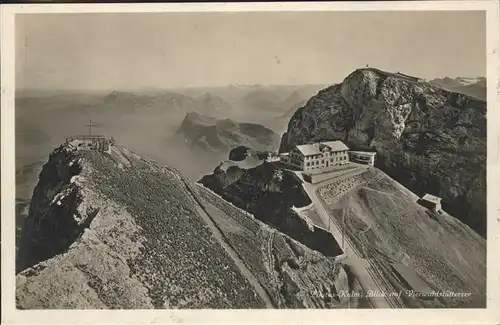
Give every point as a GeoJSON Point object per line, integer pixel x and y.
{"type": "Point", "coordinates": [429, 139]}
{"type": "Point", "coordinates": [116, 230]}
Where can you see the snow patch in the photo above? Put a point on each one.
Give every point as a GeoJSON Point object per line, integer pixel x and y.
{"type": "Point", "coordinates": [468, 81]}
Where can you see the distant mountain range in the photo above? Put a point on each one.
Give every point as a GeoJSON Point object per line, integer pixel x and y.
{"type": "Point", "coordinates": [208, 133]}
{"type": "Point", "coordinates": [267, 100]}
{"type": "Point", "coordinates": [234, 93]}
{"type": "Point", "coordinates": [294, 99]}
{"type": "Point", "coordinates": [261, 99]}
{"type": "Point", "coordinates": [213, 105]}
{"type": "Point", "coordinates": [205, 100]}
{"type": "Point", "coordinates": [475, 87]}
{"type": "Point", "coordinates": [130, 102]}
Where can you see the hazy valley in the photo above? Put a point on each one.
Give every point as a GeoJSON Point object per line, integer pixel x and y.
{"type": "Point", "coordinates": [144, 121]}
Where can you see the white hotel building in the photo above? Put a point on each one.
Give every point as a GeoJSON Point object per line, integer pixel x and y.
{"type": "Point", "coordinates": [314, 156]}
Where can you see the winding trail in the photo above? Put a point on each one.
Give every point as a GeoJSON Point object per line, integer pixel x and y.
{"type": "Point", "coordinates": [219, 236]}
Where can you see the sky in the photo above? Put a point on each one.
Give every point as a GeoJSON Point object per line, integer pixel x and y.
{"type": "Point", "coordinates": [167, 50]}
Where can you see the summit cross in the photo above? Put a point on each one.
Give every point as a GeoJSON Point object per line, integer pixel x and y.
{"type": "Point", "coordinates": [90, 125]}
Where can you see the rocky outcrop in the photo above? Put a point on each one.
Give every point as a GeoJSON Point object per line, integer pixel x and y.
{"type": "Point", "coordinates": [270, 194]}
{"type": "Point", "coordinates": [207, 133]}
{"type": "Point", "coordinates": [47, 231]}
{"type": "Point", "coordinates": [429, 139]}
{"type": "Point", "coordinates": [230, 171]}
{"type": "Point", "coordinates": [240, 153]}
{"type": "Point", "coordinates": [116, 230]}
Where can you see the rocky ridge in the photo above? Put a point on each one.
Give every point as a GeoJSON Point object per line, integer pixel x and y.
{"type": "Point", "coordinates": [116, 230]}
{"type": "Point", "coordinates": [427, 138]}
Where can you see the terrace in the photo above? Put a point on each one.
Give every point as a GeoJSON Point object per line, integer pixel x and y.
{"type": "Point", "coordinates": [90, 142]}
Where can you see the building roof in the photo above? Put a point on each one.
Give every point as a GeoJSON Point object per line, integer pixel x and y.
{"type": "Point", "coordinates": [367, 153]}
{"type": "Point", "coordinates": [336, 145]}
{"type": "Point", "coordinates": [308, 149]}
{"type": "Point", "coordinates": [431, 198]}
{"type": "Point", "coordinates": [314, 148]}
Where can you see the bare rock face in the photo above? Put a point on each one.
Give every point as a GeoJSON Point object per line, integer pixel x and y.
{"type": "Point", "coordinates": [47, 231]}
{"type": "Point", "coordinates": [116, 230]}
{"type": "Point", "coordinates": [240, 153]}
{"type": "Point", "coordinates": [270, 193]}
{"type": "Point", "coordinates": [428, 139]}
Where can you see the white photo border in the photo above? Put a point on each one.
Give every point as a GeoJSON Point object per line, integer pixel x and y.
{"type": "Point", "coordinates": [10, 315]}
